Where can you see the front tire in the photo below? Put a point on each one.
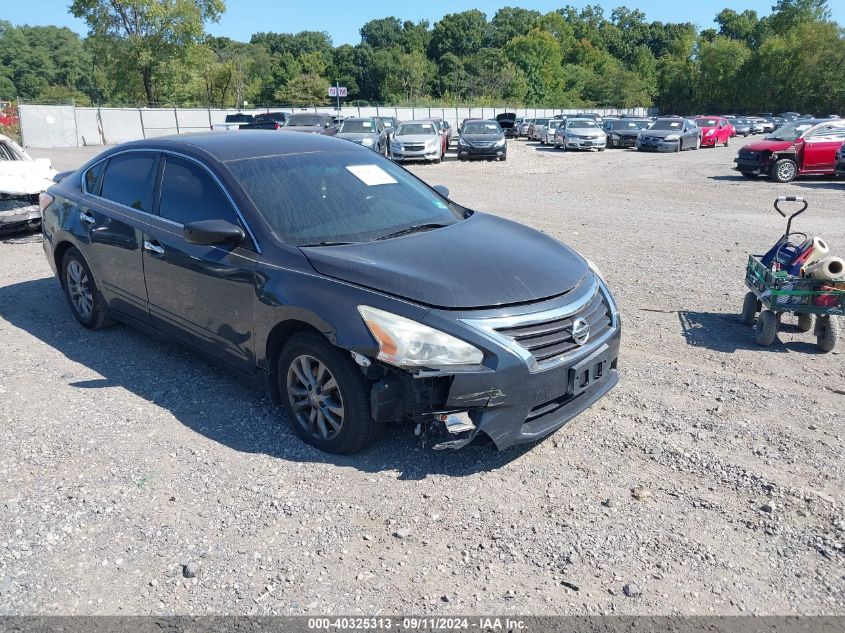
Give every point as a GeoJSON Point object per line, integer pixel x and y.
{"type": "Point", "coordinates": [727, 141]}
{"type": "Point", "coordinates": [84, 297]}
{"type": "Point", "coordinates": [784, 170]}
{"type": "Point", "coordinates": [766, 329]}
{"type": "Point", "coordinates": [325, 395]}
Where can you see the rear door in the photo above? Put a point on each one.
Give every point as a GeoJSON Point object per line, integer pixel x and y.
{"type": "Point", "coordinates": [820, 147]}
{"type": "Point", "coordinates": [202, 295]}
{"type": "Point", "coordinates": [116, 208]}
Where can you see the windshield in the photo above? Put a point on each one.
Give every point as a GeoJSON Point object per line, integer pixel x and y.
{"type": "Point", "coordinates": [789, 132]}
{"type": "Point", "coordinates": [338, 197]}
{"type": "Point", "coordinates": [303, 120]}
{"type": "Point", "coordinates": [482, 127]}
{"type": "Point", "coordinates": [580, 124]}
{"type": "Point", "coordinates": [628, 125]}
{"type": "Point", "coordinates": [554, 123]}
{"type": "Point", "coordinates": [408, 129]}
{"type": "Point", "coordinates": [540, 121]}
{"type": "Point", "coordinates": [390, 123]}
{"type": "Point", "coordinates": [366, 127]}
{"type": "Point", "coordinates": [707, 122]}
{"type": "Point", "coordinates": [667, 124]}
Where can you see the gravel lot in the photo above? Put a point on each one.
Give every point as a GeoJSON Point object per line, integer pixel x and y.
{"type": "Point", "coordinates": [136, 479]}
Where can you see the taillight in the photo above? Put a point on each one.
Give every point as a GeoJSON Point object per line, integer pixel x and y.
{"type": "Point", "coordinates": [44, 201]}
{"type": "Point", "coordinates": [276, 126]}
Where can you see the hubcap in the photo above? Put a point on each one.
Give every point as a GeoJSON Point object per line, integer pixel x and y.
{"type": "Point", "coordinates": [79, 289]}
{"type": "Point", "coordinates": [786, 171]}
{"type": "Point", "coordinates": [315, 397]}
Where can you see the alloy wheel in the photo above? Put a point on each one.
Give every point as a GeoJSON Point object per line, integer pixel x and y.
{"type": "Point", "coordinates": [79, 289]}
{"type": "Point", "coordinates": [786, 171]}
{"type": "Point", "coordinates": [315, 397]}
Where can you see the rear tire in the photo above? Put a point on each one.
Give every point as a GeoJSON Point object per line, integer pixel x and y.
{"type": "Point", "coordinates": [83, 296]}
{"type": "Point", "coordinates": [749, 308]}
{"type": "Point", "coordinates": [806, 322]}
{"type": "Point", "coordinates": [766, 329]}
{"type": "Point", "coordinates": [727, 141]}
{"type": "Point", "coordinates": [827, 333]}
{"type": "Point", "coordinates": [357, 428]}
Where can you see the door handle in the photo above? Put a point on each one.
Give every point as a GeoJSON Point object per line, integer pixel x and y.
{"type": "Point", "coordinates": [153, 247]}
{"type": "Point", "coordinates": [85, 216]}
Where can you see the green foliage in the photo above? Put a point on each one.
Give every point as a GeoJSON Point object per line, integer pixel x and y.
{"type": "Point", "coordinates": [157, 51]}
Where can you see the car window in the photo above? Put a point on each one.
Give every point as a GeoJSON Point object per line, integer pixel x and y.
{"type": "Point", "coordinates": [189, 194]}
{"type": "Point", "coordinates": [92, 176]}
{"type": "Point", "coordinates": [130, 179]}
{"type": "Point", "coordinates": [338, 196]}
{"type": "Point", "coordinates": [6, 153]}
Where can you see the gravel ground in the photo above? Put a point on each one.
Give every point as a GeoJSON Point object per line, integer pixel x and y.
{"type": "Point", "coordinates": [137, 479]}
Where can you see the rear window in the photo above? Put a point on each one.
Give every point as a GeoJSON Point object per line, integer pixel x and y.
{"type": "Point", "coordinates": [238, 118]}
{"type": "Point", "coordinates": [304, 119]}
{"type": "Point", "coordinates": [130, 179]}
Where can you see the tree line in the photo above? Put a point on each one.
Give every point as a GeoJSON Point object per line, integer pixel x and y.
{"type": "Point", "coordinates": [158, 53]}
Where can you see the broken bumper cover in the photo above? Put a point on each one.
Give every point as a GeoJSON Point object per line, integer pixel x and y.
{"type": "Point", "coordinates": [17, 213]}
{"type": "Point", "coordinates": [525, 407]}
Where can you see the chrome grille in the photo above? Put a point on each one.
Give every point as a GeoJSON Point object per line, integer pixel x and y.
{"type": "Point", "coordinates": [548, 340]}
{"type": "Point", "coordinates": [414, 148]}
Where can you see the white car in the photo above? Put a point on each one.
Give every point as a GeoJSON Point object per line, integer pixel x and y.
{"type": "Point", "coordinates": [22, 179]}
{"type": "Point", "coordinates": [547, 134]}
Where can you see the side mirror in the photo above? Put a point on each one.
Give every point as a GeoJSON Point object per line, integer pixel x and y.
{"type": "Point", "coordinates": [209, 232]}
{"type": "Point", "coordinates": [442, 190]}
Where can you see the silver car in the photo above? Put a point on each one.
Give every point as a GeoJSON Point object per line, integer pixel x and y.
{"type": "Point", "coordinates": [547, 133]}
{"type": "Point", "coordinates": [536, 128]}
{"type": "Point", "coordinates": [523, 126]}
{"type": "Point", "coordinates": [366, 131]}
{"type": "Point", "coordinates": [581, 133]}
{"type": "Point", "coordinates": [416, 140]}
{"type": "Point", "coordinates": [670, 134]}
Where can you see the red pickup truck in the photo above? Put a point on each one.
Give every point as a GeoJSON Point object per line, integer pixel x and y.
{"type": "Point", "coordinates": [805, 147]}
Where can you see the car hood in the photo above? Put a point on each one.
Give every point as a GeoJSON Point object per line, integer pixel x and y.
{"type": "Point", "coordinates": [301, 128]}
{"type": "Point", "coordinates": [416, 138]}
{"type": "Point", "coordinates": [626, 133]}
{"type": "Point", "coordinates": [661, 133]}
{"type": "Point", "coordinates": [354, 136]}
{"type": "Point", "coordinates": [481, 138]}
{"type": "Point", "coordinates": [587, 131]}
{"type": "Point", "coordinates": [768, 146]}
{"type": "Point", "coordinates": [483, 261]}
{"type": "Point", "coordinates": [25, 177]}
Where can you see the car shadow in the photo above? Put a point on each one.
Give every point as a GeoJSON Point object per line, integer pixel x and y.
{"type": "Point", "coordinates": [225, 408]}
{"type": "Point", "coordinates": [723, 332]}
{"type": "Point", "coordinates": [831, 183]}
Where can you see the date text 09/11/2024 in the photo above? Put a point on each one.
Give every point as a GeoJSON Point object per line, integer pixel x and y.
{"type": "Point", "coordinates": [416, 624]}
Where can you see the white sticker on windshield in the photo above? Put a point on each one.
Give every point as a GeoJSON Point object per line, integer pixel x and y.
{"type": "Point", "coordinates": [367, 124]}
{"type": "Point", "coordinates": [371, 175]}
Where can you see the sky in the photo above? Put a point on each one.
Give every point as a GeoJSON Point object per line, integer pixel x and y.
{"type": "Point", "coordinates": [342, 18]}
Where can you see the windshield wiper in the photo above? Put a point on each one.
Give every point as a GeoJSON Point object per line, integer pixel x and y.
{"type": "Point", "coordinates": [327, 243]}
{"type": "Point", "coordinates": [413, 229]}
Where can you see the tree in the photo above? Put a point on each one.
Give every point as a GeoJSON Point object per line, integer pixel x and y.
{"type": "Point", "coordinates": [720, 64]}
{"type": "Point", "coordinates": [461, 34]}
{"type": "Point", "coordinates": [745, 27]}
{"type": "Point", "coordinates": [144, 36]}
{"type": "Point", "coordinates": [787, 14]}
{"type": "Point", "coordinates": [382, 33]}
{"type": "Point", "coordinates": [508, 22]}
{"type": "Point", "coordinates": [304, 90]}
{"type": "Point", "coordinates": [538, 56]}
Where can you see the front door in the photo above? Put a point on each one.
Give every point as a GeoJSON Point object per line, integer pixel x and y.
{"type": "Point", "coordinates": [820, 147]}
{"type": "Point", "coordinates": [202, 295]}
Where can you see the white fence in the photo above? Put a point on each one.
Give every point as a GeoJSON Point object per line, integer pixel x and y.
{"type": "Point", "coordinates": [69, 126]}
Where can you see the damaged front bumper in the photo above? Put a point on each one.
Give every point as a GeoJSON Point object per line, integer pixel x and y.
{"type": "Point", "coordinates": [514, 398]}
{"type": "Point", "coordinates": [18, 212]}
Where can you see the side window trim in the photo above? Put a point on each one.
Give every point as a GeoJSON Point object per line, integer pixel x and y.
{"type": "Point", "coordinates": [244, 224]}
{"type": "Point", "coordinates": [157, 194]}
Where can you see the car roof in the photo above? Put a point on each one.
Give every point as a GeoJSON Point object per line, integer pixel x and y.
{"type": "Point", "coordinates": [240, 144]}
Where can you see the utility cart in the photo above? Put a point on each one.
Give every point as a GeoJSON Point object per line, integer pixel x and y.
{"type": "Point", "coordinates": [774, 290]}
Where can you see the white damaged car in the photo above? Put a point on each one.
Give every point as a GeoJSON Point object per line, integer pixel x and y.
{"type": "Point", "coordinates": [22, 179]}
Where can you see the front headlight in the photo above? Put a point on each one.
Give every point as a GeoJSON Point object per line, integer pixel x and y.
{"type": "Point", "coordinates": [615, 136]}
{"type": "Point", "coordinates": [461, 141]}
{"type": "Point", "coordinates": [368, 141]}
{"type": "Point", "coordinates": [672, 137]}
{"type": "Point", "coordinates": [500, 143]}
{"type": "Point", "coordinates": [407, 343]}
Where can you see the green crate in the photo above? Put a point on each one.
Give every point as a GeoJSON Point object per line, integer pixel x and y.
{"type": "Point", "coordinates": [781, 292]}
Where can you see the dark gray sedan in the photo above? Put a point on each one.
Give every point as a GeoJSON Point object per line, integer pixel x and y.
{"type": "Point", "coordinates": [367, 131]}
{"type": "Point", "coordinates": [670, 134]}
{"type": "Point", "coordinates": [359, 296]}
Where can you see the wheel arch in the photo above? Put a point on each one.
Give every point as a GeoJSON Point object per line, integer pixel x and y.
{"type": "Point", "coordinates": [278, 336]}
{"type": "Point", "coordinates": [59, 254]}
